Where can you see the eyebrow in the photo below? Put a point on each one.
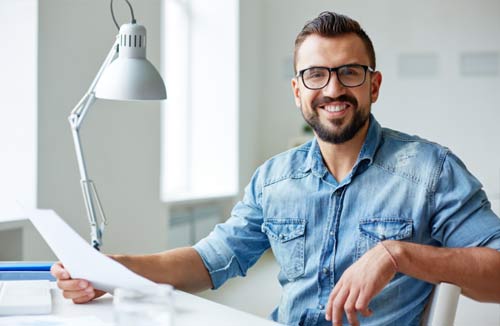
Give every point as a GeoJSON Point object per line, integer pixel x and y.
{"type": "Point", "coordinates": [348, 63]}
{"type": "Point", "coordinates": [323, 66]}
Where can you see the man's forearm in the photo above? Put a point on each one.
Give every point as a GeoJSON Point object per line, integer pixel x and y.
{"type": "Point", "coordinates": [475, 270]}
{"type": "Point", "coordinates": [183, 268]}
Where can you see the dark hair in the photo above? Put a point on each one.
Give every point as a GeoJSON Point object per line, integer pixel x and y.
{"type": "Point", "coordinates": [330, 24]}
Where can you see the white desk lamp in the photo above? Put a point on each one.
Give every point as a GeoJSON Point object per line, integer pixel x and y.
{"type": "Point", "coordinates": [127, 75]}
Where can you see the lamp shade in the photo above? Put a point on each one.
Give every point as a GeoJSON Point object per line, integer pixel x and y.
{"type": "Point", "coordinates": [131, 76]}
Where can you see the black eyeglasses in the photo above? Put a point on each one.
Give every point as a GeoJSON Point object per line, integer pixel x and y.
{"type": "Point", "coordinates": [352, 75]}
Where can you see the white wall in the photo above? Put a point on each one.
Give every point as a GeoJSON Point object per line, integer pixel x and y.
{"type": "Point", "coordinates": [121, 139]}
{"type": "Point", "coordinates": [251, 92]}
{"type": "Point", "coordinates": [456, 111]}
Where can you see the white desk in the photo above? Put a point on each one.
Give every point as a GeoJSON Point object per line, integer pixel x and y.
{"type": "Point", "coordinates": [190, 310]}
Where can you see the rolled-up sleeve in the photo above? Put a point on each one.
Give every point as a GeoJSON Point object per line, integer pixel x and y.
{"type": "Point", "coordinates": [234, 246]}
{"type": "Point", "coordinates": [462, 212]}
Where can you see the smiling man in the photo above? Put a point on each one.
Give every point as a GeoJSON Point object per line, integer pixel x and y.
{"type": "Point", "coordinates": [362, 220]}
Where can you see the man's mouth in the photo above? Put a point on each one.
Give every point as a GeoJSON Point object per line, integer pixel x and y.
{"type": "Point", "coordinates": [334, 107]}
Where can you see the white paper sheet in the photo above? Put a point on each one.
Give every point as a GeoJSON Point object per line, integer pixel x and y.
{"type": "Point", "coordinates": [80, 259]}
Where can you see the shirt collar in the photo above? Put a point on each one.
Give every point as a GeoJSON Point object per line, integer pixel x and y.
{"type": "Point", "coordinates": [314, 160]}
{"type": "Point", "coordinates": [372, 141]}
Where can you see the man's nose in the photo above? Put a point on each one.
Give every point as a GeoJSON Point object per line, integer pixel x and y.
{"type": "Point", "coordinates": [334, 88]}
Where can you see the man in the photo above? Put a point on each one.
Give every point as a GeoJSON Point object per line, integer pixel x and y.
{"type": "Point", "coordinates": [362, 220]}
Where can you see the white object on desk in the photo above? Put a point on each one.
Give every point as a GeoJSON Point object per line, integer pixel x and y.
{"type": "Point", "coordinates": [152, 306]}
{"type": "Point", "coordinates": [25, 297]}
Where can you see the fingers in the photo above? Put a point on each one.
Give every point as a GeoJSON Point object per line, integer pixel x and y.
{"type": "Point", "coordinates": [79, 291]}
{"type": "Point", "coordinates": [82, 300]}
{"type": "Point", "coordinates": [57, 270]}
{"type": "Point", "coordinates": [362, 305]}
{"type": "Point", "coordinates": [358, 285]}
{"type": "Point", "coordinates": [350, 309]}
{"type": "Point", "coordinates": [348, 300]}
{"type": "Point", "coordinates": [329, 304]}
{"type": "Point", "coordinates": [342, 301]}
{"type": "Point", "coordinates": [337, 311]}
{"type": "Point", "coordinates": [74, 285]}
{"type": "Point", "coordinates": [366, 312]}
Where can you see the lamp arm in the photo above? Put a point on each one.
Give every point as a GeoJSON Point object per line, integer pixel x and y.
{"type": "Point", "coordinates": [79, 111]}
{"type": "Point", "coordinates": [90, 196]}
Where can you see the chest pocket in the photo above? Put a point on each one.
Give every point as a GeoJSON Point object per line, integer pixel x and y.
{"type": "Point", "coordinates": [374, 230]}
{"type": "Point", "coordinates": [287, 238]}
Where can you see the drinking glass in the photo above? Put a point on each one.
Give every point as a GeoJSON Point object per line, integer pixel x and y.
{"type": "Point", "coordinates": [151, 306]}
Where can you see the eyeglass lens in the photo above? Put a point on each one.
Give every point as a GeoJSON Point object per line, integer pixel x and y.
{"type": "Point", "coordinates": [349, 76]}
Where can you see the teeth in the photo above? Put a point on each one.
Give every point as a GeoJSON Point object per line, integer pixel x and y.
{"type": "Point", "coordinates": [335, 108]}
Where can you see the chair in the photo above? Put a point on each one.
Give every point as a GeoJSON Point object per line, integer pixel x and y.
{"type": "Point", "coordinates": [442, 306]}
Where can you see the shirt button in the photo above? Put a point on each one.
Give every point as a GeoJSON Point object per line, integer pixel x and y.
{"type": "Point", "coordinates": [321, 307]}
{"type": "Point", "coordinates": [332, 233]}
{"type": "Point", "coordinates": [325, 270]}
{"type": "Point", "coordinates": [282, 236]}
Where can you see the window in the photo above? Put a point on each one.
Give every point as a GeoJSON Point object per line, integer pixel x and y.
{"type": "Point", "coordinates": [200, 115]}
{"type": "Point", "coordinates": [18, 109]}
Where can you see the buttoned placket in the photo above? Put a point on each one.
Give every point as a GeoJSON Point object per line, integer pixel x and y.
{"type": "Point", "coordinates": [326, 273]}
{"type": "Point", "coordinates": [326, 269]}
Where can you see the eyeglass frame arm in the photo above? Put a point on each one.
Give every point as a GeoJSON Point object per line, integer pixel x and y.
{"type": "Point", "coordinates": [89, 191]}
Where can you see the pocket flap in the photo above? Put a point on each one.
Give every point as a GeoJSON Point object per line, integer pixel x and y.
{"type": "Point", "coordinates": [284, 229]}
{"type": "Point", "coordinates": [386, 228]}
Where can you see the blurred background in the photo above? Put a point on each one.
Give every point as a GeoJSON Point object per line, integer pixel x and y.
{"type": "Point", "coordinates": [168, 171]}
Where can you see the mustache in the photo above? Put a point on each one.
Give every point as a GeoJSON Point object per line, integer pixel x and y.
{"type": "Point", "coordinates": [342, 98]}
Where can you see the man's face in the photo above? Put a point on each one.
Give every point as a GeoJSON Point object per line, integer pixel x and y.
{"type": "Point", "coordinates": [336, 113]}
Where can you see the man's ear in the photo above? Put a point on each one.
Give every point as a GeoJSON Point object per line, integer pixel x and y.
{"type": "Point", "coordinates": [296, 91]}
{"type": "Point", "coordinates": [376, 81]}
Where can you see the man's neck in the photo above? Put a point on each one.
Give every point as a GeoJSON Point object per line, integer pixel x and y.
{"type": "Point", "coordinates": [340, 158]}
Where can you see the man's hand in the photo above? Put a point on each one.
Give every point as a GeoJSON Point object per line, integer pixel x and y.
{"type": "Point", "coordinates": [80, 291]}
{"type": "Point", "coordinates": [358, 285]}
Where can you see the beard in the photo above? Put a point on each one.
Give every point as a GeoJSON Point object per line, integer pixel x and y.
{"type": "Point", "coordinates": [325, 132]}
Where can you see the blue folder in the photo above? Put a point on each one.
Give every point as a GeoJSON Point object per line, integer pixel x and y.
{"type": "Point", "coordinates": [25, 265]}
{"type": "Point", "coordinates": [25, 270]}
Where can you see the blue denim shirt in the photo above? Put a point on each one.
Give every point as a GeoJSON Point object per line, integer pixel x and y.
{"type": "Point", "coordinates": [401, 188]}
